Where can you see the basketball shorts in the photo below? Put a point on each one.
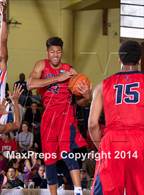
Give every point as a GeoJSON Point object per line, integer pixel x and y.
{"type": "Point", "coordinates": [59, 133]}
{"type": "Point", "coordinates": [123, 169]}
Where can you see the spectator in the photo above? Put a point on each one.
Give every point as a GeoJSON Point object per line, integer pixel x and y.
{"type": "Point", "coordinates": [25, 96]}
{"type": "Point", "coordinates": [3, 180]}
{"type": "Point", "coordinates": [7, 90]}
{"type": "Point", "coordinates": [22, 82]}
{"type": "Point", "coordinates": [7, 144]}
{"type": "Point", "coordinates": [25, 138]}
{"type": "Point", "coordinates": [3, 163]}
{"type": "Point", "coordinates": [31, 166]}
{"type": "Point", "coordinates": [33, 115]}
{"type": "Point", "coordinates": [39, 178]}
{"type": "Point", "coordinates": [13, 181]}
{"type": "Point", "coordinates": [15, 163]}
{"type": "Point", "coordinates": [36, 97]}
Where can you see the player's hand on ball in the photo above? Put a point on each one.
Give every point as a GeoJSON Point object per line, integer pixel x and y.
{"type": "Point", "coordinates": [64, 76]}
{"type": "Point", "coordinates": [84, 89]}
{"type": "Point", "coordinates": [72, 71]}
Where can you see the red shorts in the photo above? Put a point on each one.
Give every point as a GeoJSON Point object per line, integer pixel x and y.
{"type": "Point", "coordinates": [59, 133]}
{"type": "Point", "coordinates": [123, 169]}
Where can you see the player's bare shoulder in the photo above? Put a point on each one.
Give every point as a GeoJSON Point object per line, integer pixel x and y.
{"type": "Point", "coordinates": [37, 70]}
{"type": "Point", "coordinates": [39, 65]}
{"type": "Point", "coordinates": [36, 73]}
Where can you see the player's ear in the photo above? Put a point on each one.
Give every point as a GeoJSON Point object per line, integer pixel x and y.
{"type": "Point", "coordinates": [119, 61]}
{"type": "Point", "coordinates": [139, 62]}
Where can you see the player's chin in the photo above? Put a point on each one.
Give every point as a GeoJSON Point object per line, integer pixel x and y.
{"type": "Point", "coordinates": [55, 62]}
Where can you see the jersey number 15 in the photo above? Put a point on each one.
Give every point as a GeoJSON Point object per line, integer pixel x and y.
{"type": "Point", "coordinates": [127, 93]}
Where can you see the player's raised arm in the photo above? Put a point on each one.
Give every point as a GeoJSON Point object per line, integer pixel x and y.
{"type": "Point", "coordinates": [3, 36]}
{"type": "Point", "coordinates": [95, 111]}
{"type": "Point", "coordinates": [16, 124]}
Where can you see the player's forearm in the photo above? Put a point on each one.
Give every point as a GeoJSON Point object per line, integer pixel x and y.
{"type": "Point", "coordinates": [3, 43]}
{"type": "Point", "coordinates": [16, 124]}
{"type": "Point", "coordinates": [4, 31]}
{"type": "Point", "coordinates": [95, 134]}
{"type": "Point", "coordinates": [37, 83]}
{"type": "Point", "coordinates": [2, 128]}
{"type": "Point", "coordinates": [7, 127]}
{"type": "Point", "coordinates": [16, 115]}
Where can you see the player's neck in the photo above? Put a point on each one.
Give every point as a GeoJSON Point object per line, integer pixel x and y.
{"type": "Point", "coordinates": [55, 66]}
{"type": "Point", "coordinates": [126, 68]}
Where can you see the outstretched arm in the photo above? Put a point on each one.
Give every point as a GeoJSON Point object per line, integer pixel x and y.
{"type": "Point", "coordinates": [15, 98]}
{"type": "Point", "coordinates": [3, 36]}
{"type": "Point", "coordinates": [95, 112]}
{"type": "Point", "coordinates": [16, 124]}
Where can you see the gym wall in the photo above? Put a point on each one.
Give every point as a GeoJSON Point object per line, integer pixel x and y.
{"type": "Point", "coordinates": [85, 46]}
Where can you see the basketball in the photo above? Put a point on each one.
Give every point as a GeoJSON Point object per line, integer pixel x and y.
{"type": "Point", "coordinates": [74, 81]}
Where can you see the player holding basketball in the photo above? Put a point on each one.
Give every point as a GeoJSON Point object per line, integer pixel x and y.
{"type": "Point", "coordinates": [4, 128]}
{"type": "Point", "coordinates": [58, 127]}
{"type": "Point", "coordinates": [122, 98]}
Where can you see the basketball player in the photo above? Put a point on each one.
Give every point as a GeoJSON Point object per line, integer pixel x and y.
{"type": "Point", "coordinates": [3, 70]}
{"type": "Point", "coordinates": [59, 126]}
{"type": "Point", "coordinates": [122, 98]}
{"type": "Point", "coordinates": [3, 48]}
{"type": "Point", "coordinates": [5, 128]}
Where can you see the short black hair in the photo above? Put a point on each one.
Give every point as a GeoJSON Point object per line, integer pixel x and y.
{"type": "Point", "coordinates": [130, 52]}
{"type": "Point", "coordinates": [54, 41]}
